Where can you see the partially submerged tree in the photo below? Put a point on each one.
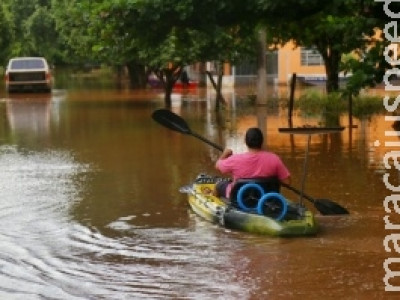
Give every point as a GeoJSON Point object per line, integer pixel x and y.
{"type": "Point", "coordinates": [186, 32]}
{"type": "Point", "coordinates": [157, 35]}
{"type": "Point", "coordinates": [228, 44]}
{"type": "Point", "coordinates": [168, 58]}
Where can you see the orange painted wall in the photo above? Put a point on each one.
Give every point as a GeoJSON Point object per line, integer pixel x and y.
{"type": "Point", "coordinates": [289, 59]}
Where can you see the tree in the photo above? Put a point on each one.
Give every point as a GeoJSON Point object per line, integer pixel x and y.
{"type": "Point", "coordinates": [29, 29]}
{"type": "Point", "coordinates": [368, 64]}
{"type": "Point", "coordinates": [333, 28]}
{"type": "Point", "coordinates": [6, 32]}
{"type": "Point", "coordinates": [73, 24]}
{"type": "Point", "coordinates": [229, 43]}
{"type": "Point", "coordinates": [40, 34]}
{"type": "Point", "coordinates": [124, 34]}
{"type": "Point", "coordinates": [159, 36]}
{"type": "Point", "coordinates": [165, 36]}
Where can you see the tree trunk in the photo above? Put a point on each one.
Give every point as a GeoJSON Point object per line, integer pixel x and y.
{"type": "Point", "coordinates": [203, 74]}
{"type": "Point", "coordinates": [137, 75]}
{"type": "Point", "coordinates": [167, 95]}
{"type": "Point", "coordinates": [168, 77]}
{"type": "Point", "coordinates": [219, 98]}
{"type": "Point", "coordinates": [217, 85]}
{"type": "Point", "coordinates": [332, 61]}
{"type": "Point", "coordinates": [262, 67]}
{"type": "Point", "coordinates": [168, 87]}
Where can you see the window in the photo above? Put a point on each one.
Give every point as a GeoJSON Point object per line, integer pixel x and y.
{"type": "Point", "coordinates": [311, 57]}
{"type": "Point", "coordinates": [27, 64]}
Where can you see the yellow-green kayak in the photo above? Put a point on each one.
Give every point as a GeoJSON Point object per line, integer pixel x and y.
{"type": "Point", "coordinates": [293, 220]}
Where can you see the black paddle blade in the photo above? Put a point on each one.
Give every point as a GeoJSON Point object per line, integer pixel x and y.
{"type": "Point", "coordinates": [170, 120]}
{"type": "Point", "coordinates": [174, 122]}
{"type": "Point", "coordinates": [327, 207]}
{"type": "Point", "coordinates": [324, 206]}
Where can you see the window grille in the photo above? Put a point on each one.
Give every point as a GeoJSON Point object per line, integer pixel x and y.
{"type": "Point", "coordinates": [311, 57]}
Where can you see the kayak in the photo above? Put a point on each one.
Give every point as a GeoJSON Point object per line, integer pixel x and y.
{"type": "Point", "coordinates": [254, 207]}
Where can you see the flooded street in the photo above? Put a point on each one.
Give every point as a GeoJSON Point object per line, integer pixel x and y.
{"type": "Point", "coordinates": [90, 205]}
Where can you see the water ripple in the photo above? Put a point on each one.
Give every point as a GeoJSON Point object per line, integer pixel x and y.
{"type": "Point", "coordinates": [47, 255]}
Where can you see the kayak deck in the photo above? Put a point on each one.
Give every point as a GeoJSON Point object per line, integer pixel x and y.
{"type": "Point", "coordinates": [205, 204]}
{"type": "Point", "coordinates": [300, 222]}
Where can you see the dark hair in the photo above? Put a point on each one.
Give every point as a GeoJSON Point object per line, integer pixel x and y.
{"type": "Point", "coordinates": [254, 138]}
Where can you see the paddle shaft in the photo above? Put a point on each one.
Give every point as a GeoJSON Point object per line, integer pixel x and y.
{"type": "Point", "coordinates": [301, 193]}
{"type": "Point", "coordinates": [174, 122]}
{"type": "Point", "coordinates": [218, 147]}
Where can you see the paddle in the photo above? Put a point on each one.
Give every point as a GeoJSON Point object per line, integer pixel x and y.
{"type": "Point", "coordinates": [174, 122]}
{"type": "Point", "coordinates": [324, 206]}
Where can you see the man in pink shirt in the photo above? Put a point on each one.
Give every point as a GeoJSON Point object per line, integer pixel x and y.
{"type": "Point", "coordinates": [256, 162]}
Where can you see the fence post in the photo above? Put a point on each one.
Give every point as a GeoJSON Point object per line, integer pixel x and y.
{"type": "Point", "coordinates": [291, 98]}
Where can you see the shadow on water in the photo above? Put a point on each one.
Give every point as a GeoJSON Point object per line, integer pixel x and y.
{"type": "Point", "coordinates": [90, 204]}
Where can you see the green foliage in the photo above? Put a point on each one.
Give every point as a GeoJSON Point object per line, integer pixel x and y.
{"type": "Point", "coordinates": [29, 30]}
{"type": "Point", "coordinates": [6, 32]}
{"type": "Point", "coordinates": [166, 35]}
{"type": "Point", "coordinates": [40, 34]}
{"type": "Point", "coordinates": [313, 103]}
{"type": "Point", "coordinates": [334, 28]}
{"type": "Point", "coordinates": [73, 23]}
{"type": "Point", "coordinates": [181, 32]}
{"type": "Point", "coordinates": [367, 71]}
{"type": "Point", "coordinates": [334, 104]}
{"type": "Point", "coordinates": [366, 106]}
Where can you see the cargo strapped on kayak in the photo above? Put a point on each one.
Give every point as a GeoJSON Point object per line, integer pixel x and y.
{"type": "Point", "coordinates": [251, 195]}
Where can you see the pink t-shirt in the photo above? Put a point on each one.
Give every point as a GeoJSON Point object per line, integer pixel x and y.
{"type": "Point", "coordinates": [252, 164]}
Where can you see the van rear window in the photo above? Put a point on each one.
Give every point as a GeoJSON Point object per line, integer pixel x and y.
{"type": "Point", "coordinates": [27, 64]}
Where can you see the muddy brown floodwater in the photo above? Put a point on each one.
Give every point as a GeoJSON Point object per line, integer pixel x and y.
{"type": "Point", "coordinates": [90, 207]}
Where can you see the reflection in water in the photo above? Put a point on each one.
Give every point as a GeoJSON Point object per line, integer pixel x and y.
{"type": "Point", "coordinates": [37, 189]}
{"type": "Point", "coordinates": [46, 254]}
{"type": "Point", "coordinates": [32, 115]}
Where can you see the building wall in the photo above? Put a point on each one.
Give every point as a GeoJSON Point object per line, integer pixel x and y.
{"type": "Point", "coordinates": [289, 62]}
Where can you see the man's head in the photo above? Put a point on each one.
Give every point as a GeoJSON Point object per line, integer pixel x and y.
{"type": "Point", "coordinates": [254, 138]}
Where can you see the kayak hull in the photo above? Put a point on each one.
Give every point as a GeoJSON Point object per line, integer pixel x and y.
{"type": "Point", "coordinates": [217, 210]}
{"type": "Point", "coordinates": [235, 219]}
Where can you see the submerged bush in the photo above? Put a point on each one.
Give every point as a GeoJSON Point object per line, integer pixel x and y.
{"type": "Point", "coordinates": [315, 103]}
{"type": "Point", "coordinates": [366, 106]}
